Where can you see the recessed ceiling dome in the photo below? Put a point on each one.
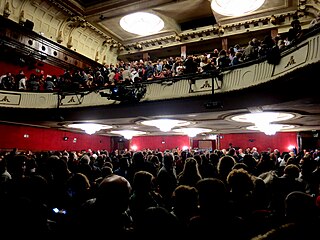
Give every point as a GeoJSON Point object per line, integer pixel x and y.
{"type": "Point", "coordinates": [142, 23]}
{"type": "Point", "coordinates": [235, 8]}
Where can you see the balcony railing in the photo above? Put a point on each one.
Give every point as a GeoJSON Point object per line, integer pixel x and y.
{"type": "Point", "coordinates": [304, 53]}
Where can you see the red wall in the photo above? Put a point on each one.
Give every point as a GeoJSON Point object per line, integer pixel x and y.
{"type": "Point", "coordinates": [12, 136]}
{"type": "Point", "coordinates": [39, 139]}
{"type": "Point", "coordinates": [155, 142]}
{"type": "Point", "coordinates": [46, 68]}
{"type": "Point", "coordinates": [261, 141]}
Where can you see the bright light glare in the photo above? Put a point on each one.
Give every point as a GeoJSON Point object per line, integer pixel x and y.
{"type": "Point", "coordinates": [128, 134]}
{"type": "Point", "coordinates": [264, 121]}
{"type": "Point", "coordinates": [291, 147]}
{"type": "Point", "coordinates": [212, 137]}
{"type": "Point", "coordinates": [142, 23]}
{"type": "Point", "coordinates": [89, 128]}
{"type": "Point", "coordinates": [270, 129]}
{"type": "Point", "coordinates": [165, 125]}
{"type": "Point", "coordinates": [235, 7]}
{"type": "Point", "coordinates": [263, 117]}
{"type": "Point", "coordinates": [134, 147]}
{"type": "Point", "coordinates": [192, 132]}
{"type": "Point", "coordinates": [185, 148]}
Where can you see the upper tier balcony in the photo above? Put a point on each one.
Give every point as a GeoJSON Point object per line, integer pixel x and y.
{"type": "Point", "coordinates": [304, 54]}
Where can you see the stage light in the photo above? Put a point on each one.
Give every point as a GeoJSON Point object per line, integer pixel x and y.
{"type": "Point", "coordinates": [134, 147]}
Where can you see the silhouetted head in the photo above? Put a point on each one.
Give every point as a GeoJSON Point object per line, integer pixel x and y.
{"type": "Point", "coordinates": [113, 192]}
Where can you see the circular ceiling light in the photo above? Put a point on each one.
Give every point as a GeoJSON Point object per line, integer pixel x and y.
{"type": "Point", "coordinates": [165, 125]}
{"type": "Point", "coordinates": [142, 23]}
{"type": "Point", "coordinates": [263, 117]}
{"type": "Point", "coordinates": [235, 8]}
{"type": "Point", "coordinates": [263, 121]}
{"type": "Point", "coordinates": [271, 129]}
{"type": "Point", "coordinates": [128, 134]}
{"type": "Point", "coordinates": [89, 128]}
{"type": "Point", "coordinates": [192, 132]}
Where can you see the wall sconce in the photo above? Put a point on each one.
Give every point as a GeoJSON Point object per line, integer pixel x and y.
{"type": "Point", "coordinates": [6, 10]}
{"type": "Point", "coordinates": [69, 44]}
{"type": "Point", "coordinates": [22, 20]}
{"type": "Point", "coordinates": [60, 37]}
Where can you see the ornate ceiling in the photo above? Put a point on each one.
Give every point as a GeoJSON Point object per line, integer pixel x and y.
{"type": "Point", "coordinates": [187, 22]}
{"type": "Point", "coordinates": [179, 16]}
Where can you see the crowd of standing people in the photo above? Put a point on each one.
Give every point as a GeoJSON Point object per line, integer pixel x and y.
{"type": "Point", "coordinates": [222, 193]}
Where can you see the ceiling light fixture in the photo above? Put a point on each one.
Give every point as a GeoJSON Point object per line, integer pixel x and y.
{"type": "Point", "coordinates": [165, 125]}
{"type": "Point", "coordinates": [89, 128]}
{"type": "Point", "coordinates": [192, 132]}
{"type": "Point", "coordinates": [271, 129]}
{"type": "Point", "coordinates": [128, 134]}
{"type": "Point", "coordinates": [235, 8]}
{"type": "Point", "coordinates": [264, 121]}
{"type": "Point", "coordinates": [263, 117]}
{"type": "Point", "coordinates": [142, 23]}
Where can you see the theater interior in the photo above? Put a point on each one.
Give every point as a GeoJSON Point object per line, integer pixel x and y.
{"type": "Point", "coordinates": [59, 34]}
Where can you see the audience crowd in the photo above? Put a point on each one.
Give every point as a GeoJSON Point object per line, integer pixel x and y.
{"type": "Point", "coordinates": [226, 194]}
{"type": "Point", "coordinates": [221, 194]}
{"type": "Point", "coordinates": [144, 70]}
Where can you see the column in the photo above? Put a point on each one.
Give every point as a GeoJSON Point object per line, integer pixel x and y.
{"type": "Point", "coordinates": [274, 32]}
{"type": "Point", "coordinates": [145, 56]}
{"type": "Point", "coordinates": [224, 43]}
{"type": "Point", "coordinates": [184, 51]}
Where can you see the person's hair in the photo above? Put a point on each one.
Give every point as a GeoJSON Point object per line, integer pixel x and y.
{"type": "Point", "coordinates": [78, 182]}
{"type": "Point", "coordinates": [300, 207]}
{"type": "Point", "coordinates": [212, 194]}
{"type": "Point", "coordinates": [225, 164]}
{"type": "Point", "coordinates": [168, 159]}
{"type": "Point", "coordinates": [190, 165]}
{"type": "Point", "coordinates": [142, 181]}
{"type": "Point", "coordinates": [185, 197]}
{"type": "Point", "coordinates": [292, 171]}
{"type": "Point", "coordinates": [239, 180]}
{"type": "Point", "coordinates": [113, 193]}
